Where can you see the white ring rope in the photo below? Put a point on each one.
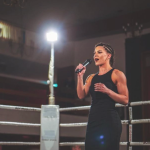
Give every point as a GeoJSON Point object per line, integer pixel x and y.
{"type": "Point", "coordinates": [70, 124]}
{"type": "Point", "coordinates": [85, 108]}
{"type": "Point", "coordinates": [20, 143]}
{"type": "Point", "coordinates": [140, 121]}
{"type": "Point", "coordinates": [75, 108]}
{"type": "Point", "coordinates": [60, 144]}
{"type": "Point", "coordinates": [140, 143]}
{"type": "Point", "coordinates": [38, 125]}
{"type": "Point", "coordinates": [69, 108]}
{"type": "Point", "coordinates": [73, 124]}
{"type": "Point", "coordinates": [19, 124]}
{"type": "Point", "coordinates": [116, 105]}
{"type": "Point", "coordinates": [20, 108]}
{"type": "Point", "coordinates": [85, 124]}
{"type": "Point", "coordinates": [82, 143]}
{"type": "Point", "coordinates": [121, 143]}
{"type": "Point", "coordinates": [72, 143]}
{"type": "Point", "coordinates": [139, 103]}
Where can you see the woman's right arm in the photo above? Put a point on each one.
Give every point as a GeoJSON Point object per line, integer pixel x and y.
{"type": "Point", "coordinates": [82, 90]}
{"type": "Point", "coordinates": [80, 87]}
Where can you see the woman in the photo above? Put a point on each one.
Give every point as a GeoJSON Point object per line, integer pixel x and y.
{"type": "Point", "coordinates": [106, 87]}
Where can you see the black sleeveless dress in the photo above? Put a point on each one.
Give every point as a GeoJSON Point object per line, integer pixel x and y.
{"type": "Point", "coordinates": [104, 125]}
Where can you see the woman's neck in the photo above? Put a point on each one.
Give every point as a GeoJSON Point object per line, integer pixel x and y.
{"type": "Point", "coordinates": [104, 69]}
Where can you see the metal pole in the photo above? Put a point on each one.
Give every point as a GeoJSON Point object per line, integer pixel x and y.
{"type": "Point", "coordinates": [130, 127]}
{"type": "Point", "coordinates": [51, 76]}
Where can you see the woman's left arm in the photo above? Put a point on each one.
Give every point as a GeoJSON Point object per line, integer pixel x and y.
{"type": "Point", "coordinates": [122, 96]}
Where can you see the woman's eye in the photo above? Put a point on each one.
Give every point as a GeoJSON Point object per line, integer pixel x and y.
{"type": "Point", "coordinates": [97, 52]}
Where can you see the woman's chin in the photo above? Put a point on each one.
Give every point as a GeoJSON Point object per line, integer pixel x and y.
{"type": "Point", "coordinates": [97, 64]}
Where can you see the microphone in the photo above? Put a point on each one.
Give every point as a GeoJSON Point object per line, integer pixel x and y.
{"type": "Point", "coordinates": [88, 61]}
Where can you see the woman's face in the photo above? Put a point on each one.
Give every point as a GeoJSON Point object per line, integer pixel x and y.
{"type": "Point", "coordinates": [101, 56]}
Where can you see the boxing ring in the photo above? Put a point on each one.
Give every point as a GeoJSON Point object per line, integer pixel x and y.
{"type": "Point", "coordinates": [129, 122]}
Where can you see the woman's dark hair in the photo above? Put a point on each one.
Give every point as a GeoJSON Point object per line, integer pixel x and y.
{"type": "Point", "coordinates": [109, 49]}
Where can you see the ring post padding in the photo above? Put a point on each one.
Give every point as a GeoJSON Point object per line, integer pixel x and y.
{"type": "Point", "coordinates": [49, 136]}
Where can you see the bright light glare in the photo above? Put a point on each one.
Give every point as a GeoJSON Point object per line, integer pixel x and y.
{"type": "Point", "coordinates": [51, 36]}
{"type": "Point", "coordinates": [101, 137]}
{"type": "Point", "coordinates": [55, 85]}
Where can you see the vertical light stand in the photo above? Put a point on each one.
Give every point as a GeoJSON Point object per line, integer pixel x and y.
{"type": "Point", "coordinates": [51, 76]}
{"type": "Point", "coordinates": [52, 37]}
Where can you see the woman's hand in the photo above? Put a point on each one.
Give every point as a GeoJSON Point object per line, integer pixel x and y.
{"type": "Point", "coordinates": [100, 87]}
{"type": "Point", "coordinates": [80, 66]}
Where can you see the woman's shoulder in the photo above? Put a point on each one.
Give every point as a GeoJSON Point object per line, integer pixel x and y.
{"type": "Point", "coordinates": [89, 78]}
{"type": "Point", "coordinates": [118, 74]}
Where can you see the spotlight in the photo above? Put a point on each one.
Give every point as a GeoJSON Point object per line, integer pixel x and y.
{"type": "Point", "coordinates": [51, 36]}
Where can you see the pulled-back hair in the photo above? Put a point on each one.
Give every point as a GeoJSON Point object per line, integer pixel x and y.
{"type": "Point", "coordinates": [109, 49]}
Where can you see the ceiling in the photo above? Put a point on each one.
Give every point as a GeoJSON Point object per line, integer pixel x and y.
{"type": "Point", "coordinates": [69, 15]}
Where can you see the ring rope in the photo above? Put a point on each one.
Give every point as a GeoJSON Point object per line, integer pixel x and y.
{"type": "Point", "coordinates": [74, 108]}
{"type": "Point", "coordinates": [121, 143]}
{"type": "Point", "coordinates": [71, 124]}
{"type": "Point", "coordinates": [60, 144]}
{"type": "Point", "coordinates": [19, 124]}
{"type": "Point", "coordinates": [139, 103]}
{"type": "Point", "coordinates": [140, 121]}
{"type": "Point", "coordinates": [82, 143]}
{"type": "Point", "coordinates": [20, 143]}
{"type": "Point", "coordinates": [20, 108]}
{"type": "Point", "coordinates": [73, 143]}
{"type": "Point", "coordinates": [69, 108]}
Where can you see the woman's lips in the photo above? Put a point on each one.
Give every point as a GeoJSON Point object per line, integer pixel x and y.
{"type": "Point", "coordinates": [96, 59]}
